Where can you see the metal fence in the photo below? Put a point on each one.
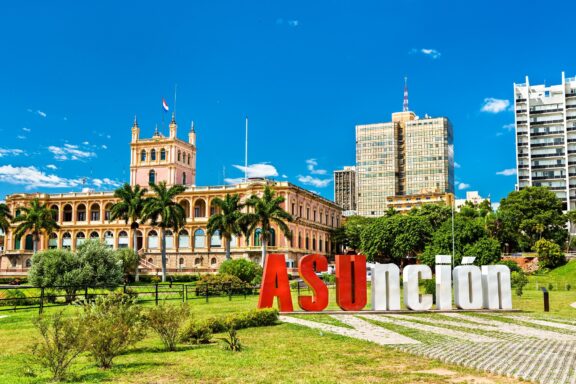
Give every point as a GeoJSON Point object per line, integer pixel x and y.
{"type": "Point", "coordinates": [14, 298]}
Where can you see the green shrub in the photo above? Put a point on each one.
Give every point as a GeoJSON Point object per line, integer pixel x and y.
{"type": "Point", "coordinates": [518, 280]}
{"type": "Point", "coordinates": [254, 318]}
{"type": "Point", "coordinates": [15, 298]}
{"type": "Point", "coordinates": [329, 278]}
{"type": "Point", "coordinates": [155, 279]}
{"type": "Point", "coordinates": [514, 267]}
{"type": "Point", "coordinates": [115, 323]}
{"type": "Point", "coordinates": [550, 286]}
{"type": "Point", "coordinates": [167, 320]}
{"type": "Point", "coordinates": [196, 332]}
{"type": "Point", "coordinates": [219, 284]}
{"type": "Point", "coordinates": [550, 254]}
{"type": "Point", "coordinates": [245, 270]}
{"type": "Point", "coordinates": [430, 287]}
{"type": "Point", "coordinates": [568, 287]}
{"type": "Point", "coordinates": [62, 340]}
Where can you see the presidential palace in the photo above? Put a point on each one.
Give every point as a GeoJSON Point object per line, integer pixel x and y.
{"type": "Point", "coordinates": [86, 215]}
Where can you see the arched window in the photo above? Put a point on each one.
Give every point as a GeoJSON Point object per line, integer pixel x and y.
{"type": "Point", "coordinates": [67, 240]}
{"type": "Point", "coordinates": [233, 241]}
{"type": "Point", "coordinates": [80, 239]}
{"type": "Point", "coordinates": [179, 155]}
{"type": "Point", "coordinates": [199, 239]}
{"type": "Point", "coordinates": [272, 238]}
{"type": "Point", "coordinates": [257, 239]}
{"type": "Point", "coordinates": [67, 212]}
{"type": "Point", "coordinates": [81, 212]}
{"type": "Point", "coordinates": [29, 245]}
{"type": "Point", "coordinates": [214, 209]}
{"type": "Point", "coordinates": [181, 262]}
{"type": "Point", "coordinates": [188, 159]}
{"type": "Point", "coordinates": [108, 211]}
{"type": "Point", "coordinates": [162, 154]}
{"type": "Point", "coordinates": [184, 178]}
{"type": "Point", "coordinates": [123, 239]}
{"type": "Point", "coordinates": [151, 260]}
{"type": "Point", "coordinates": [197, 261]}
{"type": "Point", "coordinates": [153, 155]}
{"type": "Point", "coordinates": [151, 177]}
{"type": "Point", "coordinates": [28, 263]}
{"type": "Point", "coordinates": [94, 235]}
{"type": "Point", "coordinates": [320, 242]}
{"type": "Point", "coordinates": [215, 240]}
{"type": "Point", "coordinates": [313, 243]}
{"type": "Point", "coordinates": [55, 212]}
{"type": "Point", "coordinates": [143, 155]}
{"type": "Point", "coordinates": [186, 205]}
{"type": "Point", "coordinates": [307, 242]}
{"type": "Point", "coordinates": [213, 261]}
{"type": "Point", "coordinates": [95, 212]}
{"type": "Point", "coordinates": [139, 240]}
{"type": "Point", "coordinates": [183, 239]}
{"type": "Point", "coordinates": [17, 243]}
{"type": "Point", "coordinates": [299, 239]}
{"type": "Point", "coordinates": [169, 239]}
{"type": "Point", "coordinates": [200, 208]}
{"type": "Point", "coordinates": [152, 240]}
{"type": "Point", "coordinates": [109, 239]}
{"type": "Point", "coordinates": [53, 241]}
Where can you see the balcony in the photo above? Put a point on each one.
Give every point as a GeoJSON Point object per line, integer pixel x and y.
{"type": "Point", "coordinates": [556, 177]}
{"type": "Point", "coordinates": [535, 112]}
{"type": "Point", "coordinates": [546, 144]}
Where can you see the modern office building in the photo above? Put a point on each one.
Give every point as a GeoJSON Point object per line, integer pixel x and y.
{"type": "Point", "coordinates": [404, 203]}
{"type": "Point", "coordinates": [545, 120]}
{"type": "Point", "coordinates": [86, 215]}
{"type": "Point", "coordinates": [406, 156]}
{"type": "Point", "coordinates": [345, 190]}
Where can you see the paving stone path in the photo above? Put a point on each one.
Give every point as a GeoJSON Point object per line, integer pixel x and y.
{"type": "Point", "coordinates": [541, 351]}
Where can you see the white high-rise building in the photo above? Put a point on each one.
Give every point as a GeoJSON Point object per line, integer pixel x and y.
{"type": "Point", "coordinates": [545, 120]}
{"type": "Point", "coordinates": [345, 189]}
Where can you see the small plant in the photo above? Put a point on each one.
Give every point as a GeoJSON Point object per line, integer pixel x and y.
{"type": "Point", "coordinates": [155, 279]}
{"type": "Point", "coordinates": [196, 332]}
{"type": "Point", "coordinates": [550, 286]}
{"type": "Point", "coordinates": [568, 287]}
{"type": "Point", "coordinates": [63, 339]}
{"type": "Point", "coordinates": [518, 281]}
{"type": "Point", "coordinates": [167, 320]}
{"type": "Point", "coordinates": [232, 342]}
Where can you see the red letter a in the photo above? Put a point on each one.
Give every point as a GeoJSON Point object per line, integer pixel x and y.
{"type": "Point", "coordinates": [275, 284]}
{"type": "Point", "coordinates": [319, 300]}
{"type": "Point", "coordinates": [351, 282]}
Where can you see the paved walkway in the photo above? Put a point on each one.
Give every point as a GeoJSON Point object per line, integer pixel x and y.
{"type": "Point", "coordinates": [517, 346]}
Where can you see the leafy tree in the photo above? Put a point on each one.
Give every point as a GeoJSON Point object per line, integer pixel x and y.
{"type": "Point", "coordinates": [57, 268]}
{"type": "Point", "coordinates": [100, 266]}
{"type": "Point", "coordinates": [227, 221]}
{"type": "Point", "coordinates": [571, 218]}
{"type": "Point", "coordinates": [265, 211]}
{"type": "Point", "coordinates": [245, 270]}
{"type": "Point", "coordinates": [129, 260]}
{"type": "Point", "coordinates": [518, 280]}
{"type": "Point", "coordinates": [395, 237]}
{"type": "Point", "coordinates": [534, 213]}
{"type": "Point", "coordinates": [5, 217]}
{"type": "Point", "coordinates": [486, 250]}
{"type": "Point", "coordinates": [349, 234]}
{"type": "Point", "coordinates": [129, 208]}
{"type": "Point", "coordinates": [167, 321]}
{"type": "Point", "coordinates": [550, 254]}
{"type": "Point", "coordinates": [436, 214]}
{"type": "Point", "coordinates": [165, 213]}
{"type": "Point", "coordinates": [36, 218]}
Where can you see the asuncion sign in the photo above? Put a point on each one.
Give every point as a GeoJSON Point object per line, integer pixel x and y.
{"type": "Point", "coordinates": [470, 287]}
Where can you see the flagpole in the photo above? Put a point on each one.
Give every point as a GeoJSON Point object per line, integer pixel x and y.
{"type": "Point", "coordinates": [246, 153]}
{"type": "Point", "coordinates": [175, 89]}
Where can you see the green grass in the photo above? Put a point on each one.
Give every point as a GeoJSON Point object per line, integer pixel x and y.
{"type": "Point", "coordinates": [558, 277]}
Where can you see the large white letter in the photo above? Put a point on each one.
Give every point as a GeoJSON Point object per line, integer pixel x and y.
{"type": "Point", "coordinates": [496, 287]}
{"type": "Point", "coordinates": [443, 282]}
{"type": "Point", "coordinates": [412, 297]}
{"type": "Point", "coordinates": [385, 287]}
{"type": "Point", "coordinates": [468, 287]}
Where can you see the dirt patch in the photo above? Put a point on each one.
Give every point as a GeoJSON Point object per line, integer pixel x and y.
{"type": "Point", "coordinates": [471, 379]}
{"type": "Point", "coordinates": [439, 372]}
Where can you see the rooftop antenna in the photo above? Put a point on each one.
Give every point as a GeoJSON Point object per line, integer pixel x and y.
{"type": "Point", "coordinates": [405, 108]}
{"type": "Point", "coordinates": [246, 153]}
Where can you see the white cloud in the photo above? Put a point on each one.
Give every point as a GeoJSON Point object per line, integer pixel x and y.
{"type": "Point", "coordinates": [104, 146]}
{"type": "Point", "coordinates": [311, 165]}
{"type": "Point", "coordinates": [21, 137]}
{"type": "Point", "coordinates": [429, 52]}
{"type": "Point", "coordinates": [70, 152]}
{"type": "Point", "coordinates": [293, 23]}
{"type": "Point", "coordinates": [236, 180]}
{"type": "Point", "coordinates": [499, 134]}
{"type": "Point", "coordinates": [258, 170]}
{"type": "Point", "coordinates": [284, 176]}
{"type": "Point", "coordinates": [10, 152]}
{"type": "Point", "coordinates": [106, 182]}
{"type": "Point", "coordinates": [86, 143]}
{"type": "Point", "coordinates": [43, 114]}
{"type": "Point", "coordinates": [32, 178]}
{"type": "Point", "coordinates": [456, 165]}
{"type": "Point", "coordinates": [509, 127]}
{"type": "Point", "coordinates": [507, 172]}
{"type": "Point", "coordinates": [51, 166]}
{"type": "Point", "coordinates": [462, 186]}
{"type": "Point", "coordinates": [26, 129]}
{"type": "Point", "coordinates": [314, 181]}
{"type": "Point", "coordinates": [492, 105]}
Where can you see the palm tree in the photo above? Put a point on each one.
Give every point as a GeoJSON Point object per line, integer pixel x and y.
{"type": "Point", "coordinates": [35, 218]}
{"type": "Point", "coordinates": [164, 212]}
{"type": "Point", "coordinates": [129, 208]}
{"type": "Point", "coordinates": [5, 217]}
{"type": "Point", "coordinates": [227, 222]}
{"type": "Point", "coordinates": [267, 210]}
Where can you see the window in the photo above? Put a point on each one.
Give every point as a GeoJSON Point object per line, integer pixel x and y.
{"type": "Point", "coordinates": [109, 239]}
{"type": "Point", "coordinates": [28, 263]}
{"type": "Point", "coordinates": [143, 155]}
{"type": "Point", "coordinates": [215, 240]}
{"type": "Point", "coordinates": [307, 242]}
{"type": "Point", "coordinates": [299, 240]}
{"type": "Point", "coordinates": [123, 239]}
{"type": "Point", "coordinates": [55, 212]}
{"type": "Point", "coordinates": [80, 239]}
{"type": "Point", "coordinates": [320, 243]}
{"type": "Point", "coordinates": [94, 235]}
{"type": "Point", "coordinates": [67, 212]}
{"type": "Point", "coordinates": [181, 262]}
{"type": "Point", "coordinates": [81, 212]}
{"type": "Point", "coordinates": [188, 159]}
{"type": "Point", "coordinates": [183, 239]}
{"type": "Point", "coordinates": [95, 212]}
{"type": "Point", "coordinates": [179, 155]}
{"type": "Point", "coordinates": [213, 261]}
{"type": "Point", "coordinates": [184, 178]}
{"type": "Point", "coordinates": [257, 237]}
{"type": "Point", "coordinates": [162, 154]}
{"type": "Point", "coordinates": [67, 240]}
{"type": "Point", "coordinates": [272, 238]}
{"type": "Point", "coordinates": [153, 155]}
{"type": "Point", "coordinates": [314, 215]}
{"type": "Point", "coordinates": [300, 211]}
{"type": "Point", "coordinates": [313, 243]}
{"type": "Point", "coordinates": [307, 213]}
{"type": "Point", "coordinates": [108, 212]}
{"type": "Point", "coordinates": [53, 241]}
{"type": "Point", "coordinates": [293, 209]}
{"type": "Point", "coordinates": [197, 261]}
{"type": "Point", "coordinates": [169, 239]}
{"type": "Point", "coordinates": [199, 239]}
{"type": "Point", "coordinates": [151, 177]}
{"type": "Point", "coordinates": [152, 240]}
{"type": "Point", "coordinates": [200, 208]}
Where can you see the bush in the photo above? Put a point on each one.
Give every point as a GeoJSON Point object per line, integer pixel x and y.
{"type": "Point", "coordinates": [196, 332]}
{"type": "Point", "coordinates": [115, 323]}
{"type": "Point", "coordinates": [100, 266]}
{"type": "Point", "coordinates": [62, 340]}
{"type": "Point", "coordinates": [329, 278]}
{"type": "Point", "coordinates": [518, 280]}
{"type": "Point", "coordinates": [549, 254]}
{"type": "Point", "coordinates": [218, 284]}
{"type": "Point", "coordinates": [129, 260]}
{"type": "Point", "coordinates": [514, 267]}
{"type": "Point", "coordinates": [568, 287]}
{"type": "Point", "coordinates": [167, 320]}
{"type": "Point", "coordinates": [12, 281]}
{"type": "Point", "coordinates": [245, 270]}
{"type": "Point", "coordinates": [15, 298]}
{"type": "Point", "coordinates": [550, 286]}
{"type": "Point", "coordinates": [253, 318]}
{"type": "Point", "coordinates": [232, 342]}
{"type": "Point", "coordinates": [430, 287]}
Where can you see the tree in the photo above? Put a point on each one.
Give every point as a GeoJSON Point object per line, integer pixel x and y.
{"type": "Point", "coordinates": [129, 259]}
{"type": "Point", "coordinates": [436, 214]}
{"type": "Point", "coordinates": [571, 218]}
{"type": "Point", "coordinates": [267, 210]}
{"type": "Point", "coordinates": [227, 221]}
{"type": "Point", "coordinates": [549, 254]}
{"type": "Point", "coordinates": [100, 266]}
{"type": "Point", "coordinates": [57, 268]}
{"type": "Point", "coordinates": [349, 234]}
{"type": "Point", "coordinates": [243, 269]}
{"type": "Point", "coordinates": [36, 218]}
{"type": "Point", "coordinates": [129, 208]}
{"type": "Point", "coordinates": [534, 213]}
{"type": "Point", "coordinates": [486, 250]}
{"type": "Point", "coordinates": [5, 217]}
{"type": "Point", "coordinates": [165, 213]}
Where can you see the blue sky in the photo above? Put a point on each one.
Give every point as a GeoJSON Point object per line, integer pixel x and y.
{"type": "Point", "coordinates": [74, 74]}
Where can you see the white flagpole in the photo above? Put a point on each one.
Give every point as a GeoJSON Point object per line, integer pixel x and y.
{"type": "Point", "coordinates": [246, 153]}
